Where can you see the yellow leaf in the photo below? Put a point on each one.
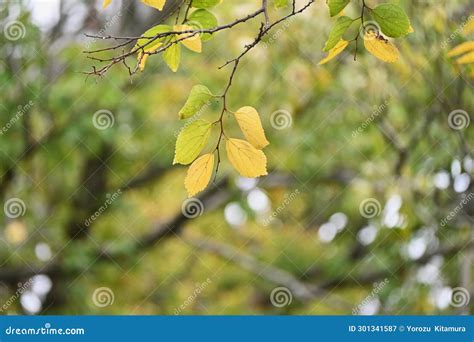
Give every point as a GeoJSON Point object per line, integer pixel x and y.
{"type": "Point", "coordinates": [152, 47]}
{"type": "Point", "coordinates": [149, 40]}
{"type": "Point", "coordinates": [193, 43]}
{"type": "Point", "coordinates": [468, 58]}
{"type": "Point", "coordinates": [469, 28]}
{"type": "Point", "coordinates": [336, 50]}
{"type": "Point", "coordinates": [199, 174]}
{"type": "Point", "coordinates": [158, 4]}
{"type": "Point", "coordinates": [191, 140]}
{"type": "Point", "coordinates": [250, 124]}
{"type": "Point", "coordinates": [247, 160]}
{"type": "Point", "coordinates": [106, 3]}
{"type": "Point", "coordinates": [381, 48]}
{"type": "Point", "coordinates": [172, 56]}
{"type": "Point", "coordinates": [461, 48]}
{"type": "Point", "coordinates": [142, 59]}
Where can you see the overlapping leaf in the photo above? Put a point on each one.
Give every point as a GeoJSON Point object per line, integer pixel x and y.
{"type": "Point", "coordinates": [203, 19]}
{"type": "Point", "coordinates": [172, 55]}
{"type": "Point", "coordinates": [191, 140]}
{"type": "Point", "coordinates": [198, 98]}
{"type": "Point", "coordinates": [246, 159]}
{"type": "Point", "coordinates": [381, 48]}
{"type": "Point", "coordinates": [193, 43]}
{"type": "Point", "coordinates": [336, 6]}
{"type": "Point", "coordinates": [340, 27]}
{"type": "Point", "coordinates": [199, 174]}
{"type": "Point", "coordinates": [392, 20]}
{"type": "Point", "coordinates": [250, 124]}
{"type": "Point", "coordinates": [149, 43]}
{"type": "Point", "coordinates": [461, 48]}
{"type": "Point", "coordinates": [336, 50]}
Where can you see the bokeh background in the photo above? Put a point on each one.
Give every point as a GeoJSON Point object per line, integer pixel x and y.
{"type": "Point", "coordinates": [367, 209]}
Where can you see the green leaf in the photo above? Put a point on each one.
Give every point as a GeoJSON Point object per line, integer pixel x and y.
{"type": "Point", "coordinates": [340, 27]}
{"type": "Point", "coordinates": [191, 140]}
{"type": "Point", "coordinates": [204, 3]}
{"type": "Point", "coordinates": [336, 6]}
{"type": "Point", "coordinates": [155, 30]}
{"type": "Point", "coordinates": [202, 19]}
{"type": "Point", "coordinates": [280, 3]}
{"type": "Point", "coordinates": [172, 55]}
{"type": "Point", "coordinates": [336, 50]}
{"type": "Point", "coordinates": [392, 20]}
{"type": "Point", "coordinates": [198, 98]}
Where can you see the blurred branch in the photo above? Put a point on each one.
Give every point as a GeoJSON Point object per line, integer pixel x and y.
{"type": "Point", "coordinates": [392, 138]}
{"type": "Point", "coordinates": [268, 272]}
{"type": "Point", "coordinates": [30, 148]}
{"type": "Point", "coordinates": [12, 276]}
{"type": "Point", "coordinates": [215, 196]}
{"type": "Point", "coordinates": [149, 175]}
{"type": "Point", "coordinates": [90, 193]}
{"type": "Point", "coordinates": [301, 291]}
{"type": "Point", "coordinates": [370, 278]}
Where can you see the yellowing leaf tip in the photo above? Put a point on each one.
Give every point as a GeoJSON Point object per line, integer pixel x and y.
{"type": "Point", "coordinates": [336, 50]}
